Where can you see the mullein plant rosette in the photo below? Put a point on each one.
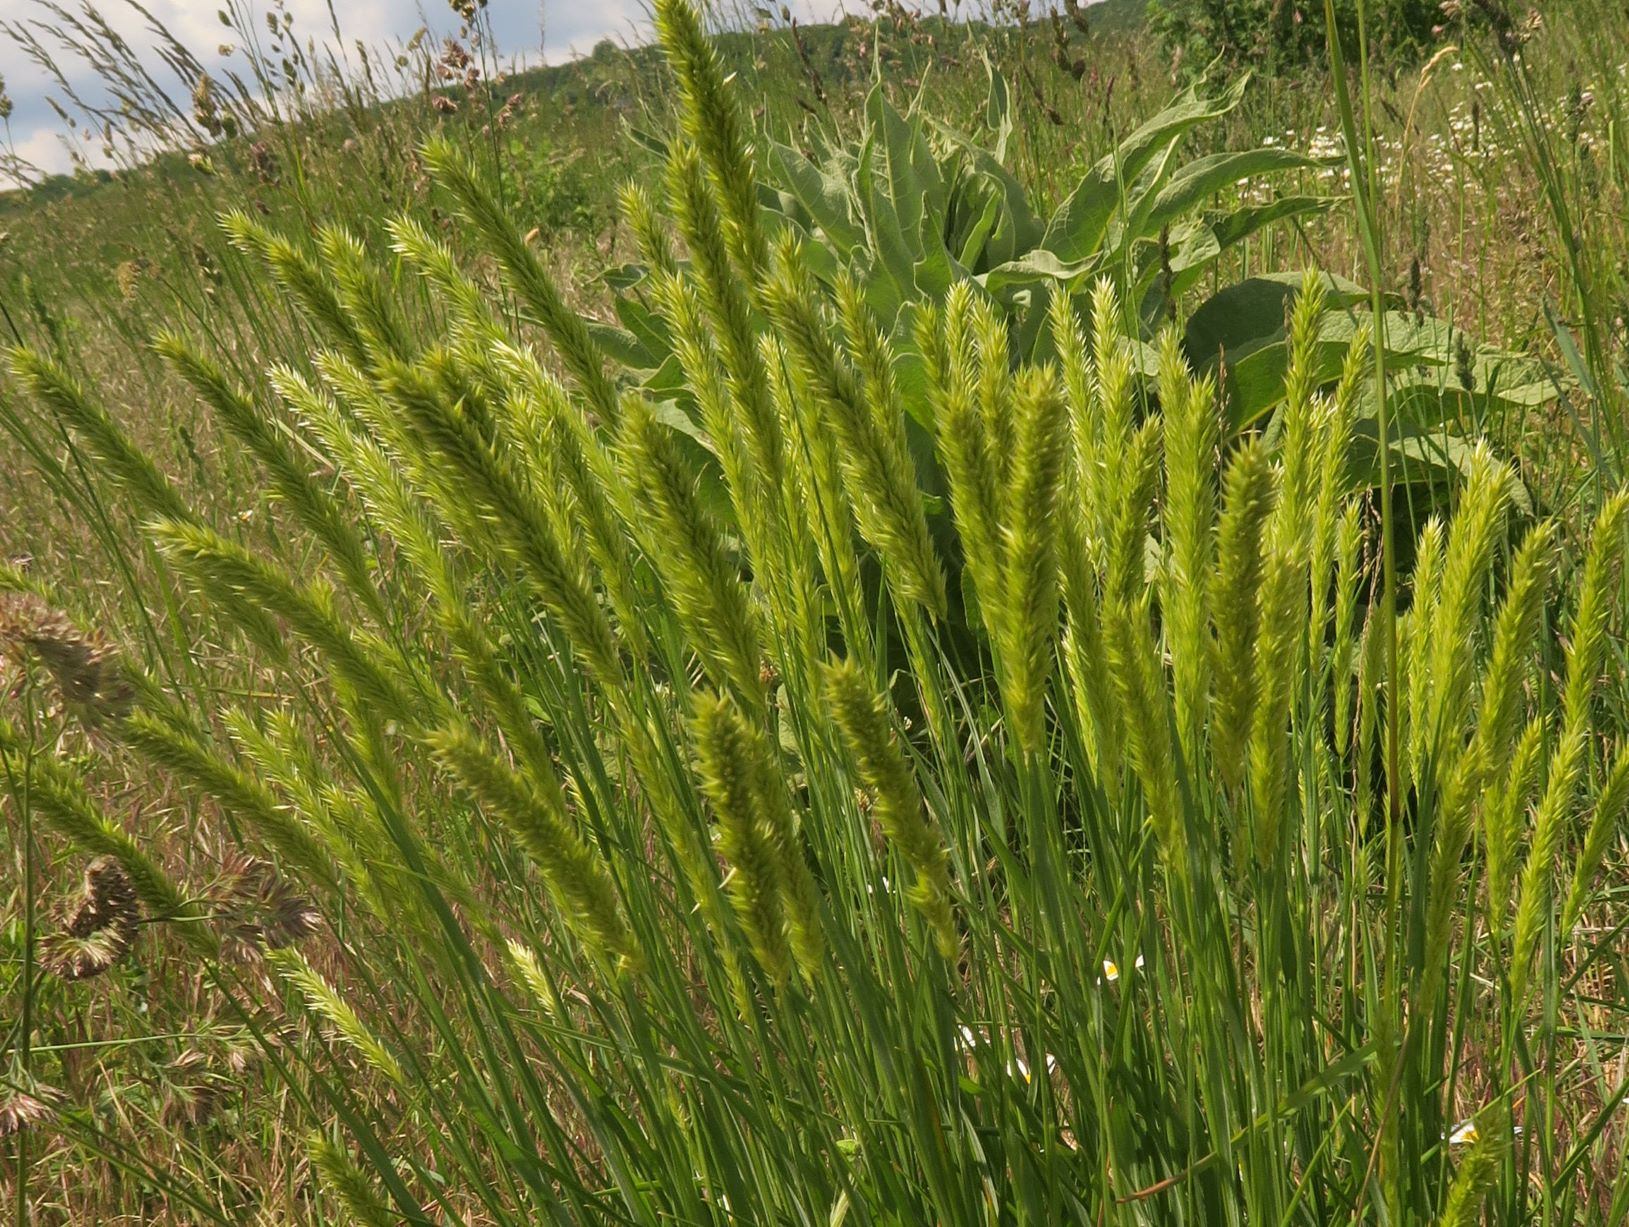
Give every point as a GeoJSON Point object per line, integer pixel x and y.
{"type": "Point", "coordinates": [680, 838]}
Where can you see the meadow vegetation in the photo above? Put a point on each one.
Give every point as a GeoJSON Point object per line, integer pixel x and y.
{"type": "Point", "coordinates": [975, 618]}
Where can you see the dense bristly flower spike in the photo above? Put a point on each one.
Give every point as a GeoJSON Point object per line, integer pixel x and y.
{"type": "Point", "coordinates": [1478, 1170]}
{"type": "Point", "coordinates": [1478, 524]}
{"type": "Point", "coordinates": [713, 121]}
{"type": "Point", "coordinates": [1104, 422]}
{"type": "Point", "coordinates": [1504, 816]}
{"type": "Point", "coordinates": [317, 509]}
{"type": "Point", "coordinates": [1188, 408]}
{"type": "Point", "coordinates": [123, 462]}
{"type": "Point", "coordinates": [302, 278]}
{"type": "Point", "coordinates": [1456, 819]}
{"type": "Point", "coordinates": [368, 300]}
{"type": "Point", "coordinates": [1414, 644]}
{"type": "Point", "coordinates": [1080, 549]}
{"type": "Point", "coordinates": [729, 312]}
{"type": "Point", "coordinates": [1145, 709]}
{"type": "Point", "coordinates": [1461, 770]}
{"type": "Point", "coordinates": [1282, 647]}
{"type": "Point", "coordinates": [993, 351]}
{"type": "Point", "coordinates": [328, 1004]}
{"type": "Point", "coordinates": [533, 811]}
{"type": "Point", "coordinates": [1249, 491]}
{"type": "Point", "coordinates": [649, 230]}
{"type": "Point", "coordinates": [1515, 633]}
{"type": "Point", "coordinates": [346, 1181]}
{"type": "Point", "coordinates": [563, 456]}
{"type": "Point", "coordinates": [878, 474]}
{"type": "Point", "coordinates": [753, 843]}
{"type": "Point", "coordinates": [740, 764]}
{"type": "Point", "coordinates": [693, 344]}
{"type": "Point", "coordinates": [241, 581]}
{"type": "Point", "coordinates": [1304, 411]}
{"type": "Point", "coordinates": [187, 753]}
{"type": "Point", "coordinates": [869, 735]}
{"type": "Point", "coordinates": [1586, 649]}
{"type": "Point", "coordinates": [959, 436]}
{"type": "Point", "coordinates": [686, 545]}
{"type": "Point", "coordinates": [1030, 617]}
{"type": "Point", "coordinates": [467, 303]}
{"type": "Point", "coordinates": [527, 276]}
{"type": "Point", "coordinates": [1131, 516]}
{"type": "Point", "coordinates": [529, 971]}
{"type": "Point", "coordinates": [1604, 826]}
{"type": "Point", "coordinates": [1282, 604]}
{"type": "Point", "coordinates": [1349, 583]}
{"type": "Point", "coordinates": [1332, 503]}
{"type": "Point", "coordinates": [529, 524]}
{"type": "Point", "coordinates": [1511, 756]}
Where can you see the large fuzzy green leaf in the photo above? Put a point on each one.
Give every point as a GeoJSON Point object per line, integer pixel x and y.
{"type": "Point", "coordinates": [823, 192]}
{"type": "Point", "coordinates": [1241, 333]}
{"type": "Point", "coordinates": [1189, 186]}
{"type": "Point", "coordinates": [1077, 229]}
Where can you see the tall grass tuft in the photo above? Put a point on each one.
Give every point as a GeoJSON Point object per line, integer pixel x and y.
{"type": "Point", "coordinates": [715, 824]}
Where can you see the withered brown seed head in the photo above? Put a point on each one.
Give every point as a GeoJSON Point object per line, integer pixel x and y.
{"type": "Point", "coordinates": [98, 925]}
{"type": "Point", "coordinates": [18, 1110]}
{"type": "Point", "coordinates": [196, 1089]}
{"type": "Point", "coordinates": [84, 667]}
{"type": "Point", "coordinates": [260, 910]}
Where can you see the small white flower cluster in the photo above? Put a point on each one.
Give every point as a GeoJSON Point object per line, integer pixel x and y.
{"type": "Point", "coordinates": [1466, 1133]}
{"type": "Point", "coordinates": [1111, 970]}
{"type": "Point", "coordinates": [969, 1040]}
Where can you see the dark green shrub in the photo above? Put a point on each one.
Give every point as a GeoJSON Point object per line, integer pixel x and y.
{"type": "Point", "coordinates": [1282, 34]}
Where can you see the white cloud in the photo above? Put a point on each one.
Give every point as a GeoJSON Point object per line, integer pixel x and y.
{"type": "Point", "coordinates": [45, 149]}
{"type": "Point", "coordinates": [565, 28]}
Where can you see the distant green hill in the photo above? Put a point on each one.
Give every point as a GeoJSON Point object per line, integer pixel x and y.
{"type": "Point", "coordinates": [1117, 16]}
{"type": "Point", "coordinates": [587, 99]}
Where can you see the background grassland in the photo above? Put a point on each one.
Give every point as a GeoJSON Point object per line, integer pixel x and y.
{"type": "Point", "coordinates": [465, 1034]}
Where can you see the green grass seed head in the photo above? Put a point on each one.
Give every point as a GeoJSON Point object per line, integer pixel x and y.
{"type": "Point", "coordinates": [533, 811]}
{"type": "Point", "coordinates": [868, 733]}
{"type": "Point", "coordinates": [1145, 708]}
{"type": "Point", "coordinates": [1587, 646]}
{"type": "Point", "coordinates": [1604, 826]}
{"type": "Point", "coordinates": [1479, 1170]}
{"type": "Point", "coordinates": [730, 778]}
{"type": "Point", "coordinates": [879, 476]}
{"type": "Point", "coordinates": [1505, 813]}
{"type": "Point", "coordinates": [1030, 615]}
{"type": "Point", "coordinates": [712, 119]}
{"type": "Point", "coordinates": [1249, 493]}
{"type": "Point", "coordinates": [686, 545]}
{"type": "Point", "coordinates": [349, 1185]}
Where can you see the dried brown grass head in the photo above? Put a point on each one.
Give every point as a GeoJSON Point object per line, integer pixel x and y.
{"type": "Point", "coordinates": [260, 910]}
{"type": "Point", "coordinates": [84, 667]}
{"type": "Point", "coordinates": [99, 925]}
{"type": "Point", "coordinates": [21, 1110]}
{"type": "Point", "coordinates": [197, 1086]}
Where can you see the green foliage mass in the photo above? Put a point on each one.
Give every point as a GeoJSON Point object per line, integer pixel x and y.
{"type": "Point", "coordinates": [1282, 35]}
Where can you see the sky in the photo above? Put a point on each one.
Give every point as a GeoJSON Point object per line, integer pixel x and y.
{"type": "Point", "coordinates": [526, 30]}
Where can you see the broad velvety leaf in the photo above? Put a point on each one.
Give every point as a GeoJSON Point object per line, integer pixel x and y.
{"type": "Point", "coordinates": [1077, 228]}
